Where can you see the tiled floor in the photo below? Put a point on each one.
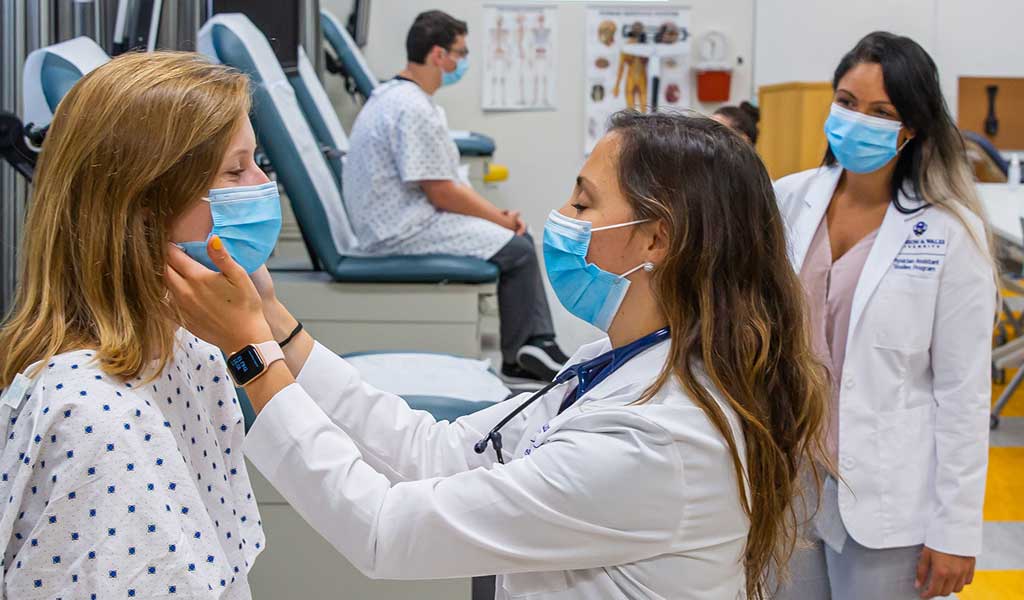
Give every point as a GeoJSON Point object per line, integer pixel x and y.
{"type": "Point", "coordinates": [1001, 566]}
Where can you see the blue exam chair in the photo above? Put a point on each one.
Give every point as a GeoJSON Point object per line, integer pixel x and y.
{"type": "Point", "coordinates": [50, 72]}
{"type": "Point", "coordinates": [354, 68]}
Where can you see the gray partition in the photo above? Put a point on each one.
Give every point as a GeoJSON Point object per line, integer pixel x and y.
{"type": "Point", "coordinates": [20, 32]}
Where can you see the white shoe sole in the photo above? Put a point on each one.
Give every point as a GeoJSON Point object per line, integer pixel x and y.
{"type": "Point", "coordinates": [521, 384]}
{"type": "Point", "coordinates": [539, 355]}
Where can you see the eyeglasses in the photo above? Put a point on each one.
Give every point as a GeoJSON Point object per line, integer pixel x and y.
{"type": "Point", "coordinates": [458, 52]}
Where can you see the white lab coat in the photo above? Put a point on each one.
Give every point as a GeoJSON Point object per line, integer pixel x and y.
{"type": "Point", "coordinates": [916, 390]}
{"type": "Point", "coordinates": [607, 500]}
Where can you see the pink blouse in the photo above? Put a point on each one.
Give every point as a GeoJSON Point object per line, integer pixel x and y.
{"type": "Point", "coordinates": [829, 287]}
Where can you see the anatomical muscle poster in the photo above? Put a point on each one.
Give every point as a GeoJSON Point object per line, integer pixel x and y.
{"type": "Point", "coordinates": [637, 58]}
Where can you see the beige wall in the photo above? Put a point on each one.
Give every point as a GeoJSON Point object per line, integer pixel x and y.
{"type": "Point", "coordinates": [543, 150]}
{"type": "Point", "coordinates": [964, 37]}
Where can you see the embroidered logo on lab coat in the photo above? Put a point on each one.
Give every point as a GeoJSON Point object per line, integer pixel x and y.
{"type": "Point", "coordinates": [533, 441]}
{"type": "Point", "coordinates": [920, 255]}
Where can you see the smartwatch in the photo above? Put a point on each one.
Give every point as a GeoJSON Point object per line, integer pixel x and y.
{"type": "Point", "coordinates": [246, 365]}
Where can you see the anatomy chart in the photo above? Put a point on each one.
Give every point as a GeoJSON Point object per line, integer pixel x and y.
{"type": "Point", "coordinates": [519, 62]}
{"type": "Point", "coordinates": [637, 58]}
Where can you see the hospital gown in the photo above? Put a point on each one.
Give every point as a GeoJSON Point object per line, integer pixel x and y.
{"type": "Point", "coordinates": [399, 139]}
{"type": "Point", "coordinates": [128, 489]}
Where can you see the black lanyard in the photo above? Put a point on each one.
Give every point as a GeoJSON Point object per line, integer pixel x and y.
{"type": "Point", "coordinates": [596, 370]}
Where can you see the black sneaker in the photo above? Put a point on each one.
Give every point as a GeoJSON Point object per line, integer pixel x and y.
{"type": "Point", "coordinates": [518, 379]}
{"type": "Point", "coordinates": [542, 359]}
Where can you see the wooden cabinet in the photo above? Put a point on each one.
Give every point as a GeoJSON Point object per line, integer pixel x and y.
{"type": "Point", "coordinates": [972, 103]}
{"type": "Point", "coordinates": [792, 136]}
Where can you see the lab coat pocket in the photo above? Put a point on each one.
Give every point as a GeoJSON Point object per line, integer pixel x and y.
{"type": "Point", "coordinates": [909, 438]}
{"type": "Point", "coordinates": [904, 312]}
{"type": "Point", "coordinates": [525, 585]}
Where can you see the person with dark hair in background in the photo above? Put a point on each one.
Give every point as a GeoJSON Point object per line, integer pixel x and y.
{"type": "Point", "coordinates": [405, 195]}
{"type": "Point", "coordinates": [890, 243]}
{"type": "Point", "coordinates": [742, 119]}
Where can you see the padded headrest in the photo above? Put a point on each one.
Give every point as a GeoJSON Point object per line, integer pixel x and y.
{"type": "Point", "coordinates": [315, 194]}
{"type": "Point", "coordinates": [284, 134]}
{"type": "Point", "coordinates": [319, 111]}
{"type": "Point", "coordinates": [51, 71]}
{"type": "Point", "coordinates": [348, 53]}
{"type": "Point", "coordinates": [320, 115]}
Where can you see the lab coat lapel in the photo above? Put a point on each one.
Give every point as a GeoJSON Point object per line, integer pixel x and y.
{"type": "Point", "coordinates": [891, 236]}
{"type": "Point", "coordinates": [639, 372]}
{"type": "Point", "coordinates": [816, 200]}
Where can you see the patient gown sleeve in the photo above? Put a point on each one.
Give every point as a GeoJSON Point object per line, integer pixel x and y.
{"type": "Point", "coordinates": [420, 146]}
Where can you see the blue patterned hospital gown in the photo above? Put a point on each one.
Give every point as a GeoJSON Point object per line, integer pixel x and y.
{"type": "Point", "coordinates": [116, 489]}
{"type": "Point", "coordinates": [399, 139]}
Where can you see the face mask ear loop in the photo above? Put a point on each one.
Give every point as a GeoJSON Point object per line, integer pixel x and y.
{"type": "Point", "coordinates": [903, 145]}
{"type": "Point", "coordinates": [647, 267]}
{"type": "Point", "coordinates": [607, 227]}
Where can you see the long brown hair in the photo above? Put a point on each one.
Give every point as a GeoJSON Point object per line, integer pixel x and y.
{"type": "Point", "coordinates": [736, 311]}
{"type": "Point", "coordinates": [130, 146]}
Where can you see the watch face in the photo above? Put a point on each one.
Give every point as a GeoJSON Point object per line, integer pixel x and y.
{"type": "Point", "coordinates": [245, 365]}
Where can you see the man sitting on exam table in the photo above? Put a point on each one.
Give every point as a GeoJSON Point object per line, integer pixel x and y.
{"type": "Point", "coordinates": [405, 195]}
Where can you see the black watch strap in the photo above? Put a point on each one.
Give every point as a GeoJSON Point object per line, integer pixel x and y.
{"type": "Point", "coordinates": [291, 335]}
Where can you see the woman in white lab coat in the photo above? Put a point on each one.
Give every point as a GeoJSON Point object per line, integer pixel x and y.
{"type": "Point", "coordinates": [890, 244]}
{"type": "Point", "coordinates": [657, 466]}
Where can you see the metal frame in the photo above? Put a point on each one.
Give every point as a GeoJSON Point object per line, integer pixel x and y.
{"type": "Point", "coordinates": [1009, 355]}
{"type": "Point", "coordinates": [310, 36]}
{"type": "Point", "coordinates": [20, 24]}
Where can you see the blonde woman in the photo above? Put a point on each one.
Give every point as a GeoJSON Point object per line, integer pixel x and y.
{"type": "Point", "coordinates": [122, 469]}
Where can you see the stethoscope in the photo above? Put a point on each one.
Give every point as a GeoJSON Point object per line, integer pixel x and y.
{"type": "Point", "coordinates": [494, 435]}
{"type": "Point", "coordinates": [628, 352]}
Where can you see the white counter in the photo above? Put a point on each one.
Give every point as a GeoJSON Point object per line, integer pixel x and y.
{"type": "Point", "coordinates": [1004, 208]}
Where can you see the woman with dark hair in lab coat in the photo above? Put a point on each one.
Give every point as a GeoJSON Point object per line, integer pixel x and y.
{"type": "Point", "coordinates": [662, 463]}
{"type": "Point", "coordinates": [889, 241]}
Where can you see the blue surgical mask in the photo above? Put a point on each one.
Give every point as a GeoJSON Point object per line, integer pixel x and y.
{"type": "Point", "coordinates": [461, 66]}
{"type": "Point", "coordinates": [584, 289]}
{"type": "Point", "coordinates": [247, 219]}
{"type": "Point", "coordinates": [862, 143]}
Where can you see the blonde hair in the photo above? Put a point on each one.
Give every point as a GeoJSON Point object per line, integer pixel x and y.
{"type": "Point", "coordinates": [130, 146]}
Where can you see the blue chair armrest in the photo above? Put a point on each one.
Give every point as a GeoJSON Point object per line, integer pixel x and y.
{"type": "Point", "coordinates": [413, 269]}
{"type": "Point", "coordinates": [477, 144]}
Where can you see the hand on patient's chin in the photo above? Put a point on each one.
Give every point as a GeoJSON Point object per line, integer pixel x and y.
{"type": "Point", "coordinates": [222, 308]}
